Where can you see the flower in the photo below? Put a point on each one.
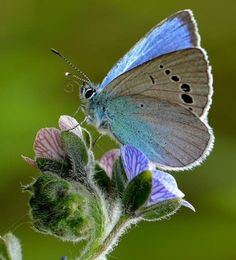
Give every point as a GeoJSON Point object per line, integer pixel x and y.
{"type": "Point", "coordinates": [108, 159]}
{"type": "Point", "coordinates": [48, 143]}
{"type": "Point", "coordinates": [164, 186]}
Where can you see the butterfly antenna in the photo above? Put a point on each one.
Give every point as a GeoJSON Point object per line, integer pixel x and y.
{"type": "Point", "coordinates": [72, 66]}
{"type": "Point", "coordinates": [68, 74]}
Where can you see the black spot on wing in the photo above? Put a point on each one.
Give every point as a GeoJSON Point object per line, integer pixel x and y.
{"type": "Point", "coordinates": [187, 98]}
{"type": "Point", "coordinates": [185, 87]}
{"type": "Point", "coordinates": [152, 79]}
{"type": "Point", "coordinates": [167, 72]}
{"type": "Point", "coordinates": [175, 78]}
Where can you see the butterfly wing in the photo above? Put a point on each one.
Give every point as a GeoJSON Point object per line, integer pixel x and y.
{"type": "Point", "coordinates": [151, 110]}
{"type": "Point", "coordinates": [181, 77]}
{"type": "Point", "coordinates": [167, 134]}
{"type": "Point", "coordinates": [174, 33]}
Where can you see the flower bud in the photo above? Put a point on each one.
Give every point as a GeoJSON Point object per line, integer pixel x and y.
{"type": "Point", "coordinates": [59, 208]}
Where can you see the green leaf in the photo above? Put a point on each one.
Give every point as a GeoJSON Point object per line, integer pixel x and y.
{"type": "Point", "coordinates": [119, 177]}
{"type": "Point", "coordinates": [161, 210]}
{"type": "Point", "coordinates": [137, 192]}
{"type": "Point", "coordinates": [77, 152]}
{"type": "Point", "coordinates": [102, 180]}
{"type": "Point", "coordinates": [60, 168]}
{"type": "Point", "coordinates": [10, 248]}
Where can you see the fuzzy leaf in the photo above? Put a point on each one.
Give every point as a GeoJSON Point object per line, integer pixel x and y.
{"type": "Point", "coordinates": [119, 177]}
{"type": "Point", "coordinates": [102, 180]}
{"type": "Point", "coordinates": [10, 248]}
{"type": "Point", "coordinates": [60, 168]}
{"type": "Point", "coordinates": [161, 210]}
{"type": "Point", "coordinates": [138, 191]}
{"type": "Point", "coordinates": [77, 152]}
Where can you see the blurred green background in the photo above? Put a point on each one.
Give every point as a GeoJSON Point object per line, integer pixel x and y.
{"type": "Point", "coordinates": [94, 34]}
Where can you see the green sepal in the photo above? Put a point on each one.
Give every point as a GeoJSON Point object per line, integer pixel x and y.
{"type": "Point", "coordinates": [76, 150]}
{"type": "Point", "coordinates": [137, 192]}
{"type": "Point", "coordinates": [119, 178]}
{"type": "Point", "coordinates": [101, 179]}
{"type": "Point", "coordinates": [10, 248]}
{"type": "Point", "coordinates": [60, 208]}
{"type": "Point", "coordinates": [160, 210]}
{"type": "Point", "coordinates": [60, 168]}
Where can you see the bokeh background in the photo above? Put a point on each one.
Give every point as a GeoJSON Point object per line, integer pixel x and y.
{"type": "Point", "coordinates": [94, 34]}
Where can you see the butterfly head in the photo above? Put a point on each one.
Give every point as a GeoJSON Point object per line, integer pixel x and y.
{"type": "Point", "coordinates": [88, 92]}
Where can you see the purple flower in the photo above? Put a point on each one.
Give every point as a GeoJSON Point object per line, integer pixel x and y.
{"type": "Point", "coordinates": [164, 186]}
{"type": "Point", "coordinates": [48, 142]}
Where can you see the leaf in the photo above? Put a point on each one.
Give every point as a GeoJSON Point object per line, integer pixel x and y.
{"type": "Point", "coordinates": [102, 180]}
{"type": "Point", "coordinates": [76, 151]}
{"type": "Point", "coordinates": [161, 210]}
{"type": "Point", "coordinates": [60, 168]}
{"type": "Point", "coordinates": [137, 192]}
{"type": "Point", "coordinates": [119, 177]}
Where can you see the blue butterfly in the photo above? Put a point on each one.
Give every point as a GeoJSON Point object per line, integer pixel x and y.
{"type": "Point", "coordinates": [157, 96]}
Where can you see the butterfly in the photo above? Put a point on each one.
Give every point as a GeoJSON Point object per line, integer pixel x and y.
{"type": "Point", "coordinates": [156, 98]}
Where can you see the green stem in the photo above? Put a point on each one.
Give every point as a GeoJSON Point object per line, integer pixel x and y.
{"type": "Point", "coordinates": [96, 250]}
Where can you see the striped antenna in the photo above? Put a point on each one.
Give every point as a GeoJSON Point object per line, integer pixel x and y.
{"type": "Point", "coordinates": [86, 80]}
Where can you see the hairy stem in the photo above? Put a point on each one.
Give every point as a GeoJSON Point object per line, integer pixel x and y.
{"type": "Point", "coordinates": [99, 251]}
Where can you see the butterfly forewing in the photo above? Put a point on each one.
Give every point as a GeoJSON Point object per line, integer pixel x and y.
{"type": "Point", "coordinates": [181, 77]}
{"type": "Point", "coordinates": [177, 32]}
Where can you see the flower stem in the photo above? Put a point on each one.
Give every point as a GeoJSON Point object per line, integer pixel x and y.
{"type": "Point", "coordinates": [99, 251]}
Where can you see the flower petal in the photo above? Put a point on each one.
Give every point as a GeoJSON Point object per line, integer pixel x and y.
{"type": "Point", "coordinates": [28, 160]}
{"type": "Point", "coordinates": [108, 159]}
{"type": "Point", "coordinates": [48, 144]}
{"type": "Point", "coordinates": [70, 123]}
{"type": "Point", "coordinates": [188, 205]}
{"type": "Point", "coordinates": [134, 161]}
{"type": "Point", "coordinates": [164, 187]}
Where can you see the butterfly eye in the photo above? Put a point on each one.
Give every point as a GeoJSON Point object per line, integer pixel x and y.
{"type": "Point", "coordinates": [89, 93]}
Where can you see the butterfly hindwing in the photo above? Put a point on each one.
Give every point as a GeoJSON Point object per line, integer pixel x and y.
{"type": "Point", "coordinates": [174, 33]}
{"type": "Point", "coordinates": [168, 134]}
